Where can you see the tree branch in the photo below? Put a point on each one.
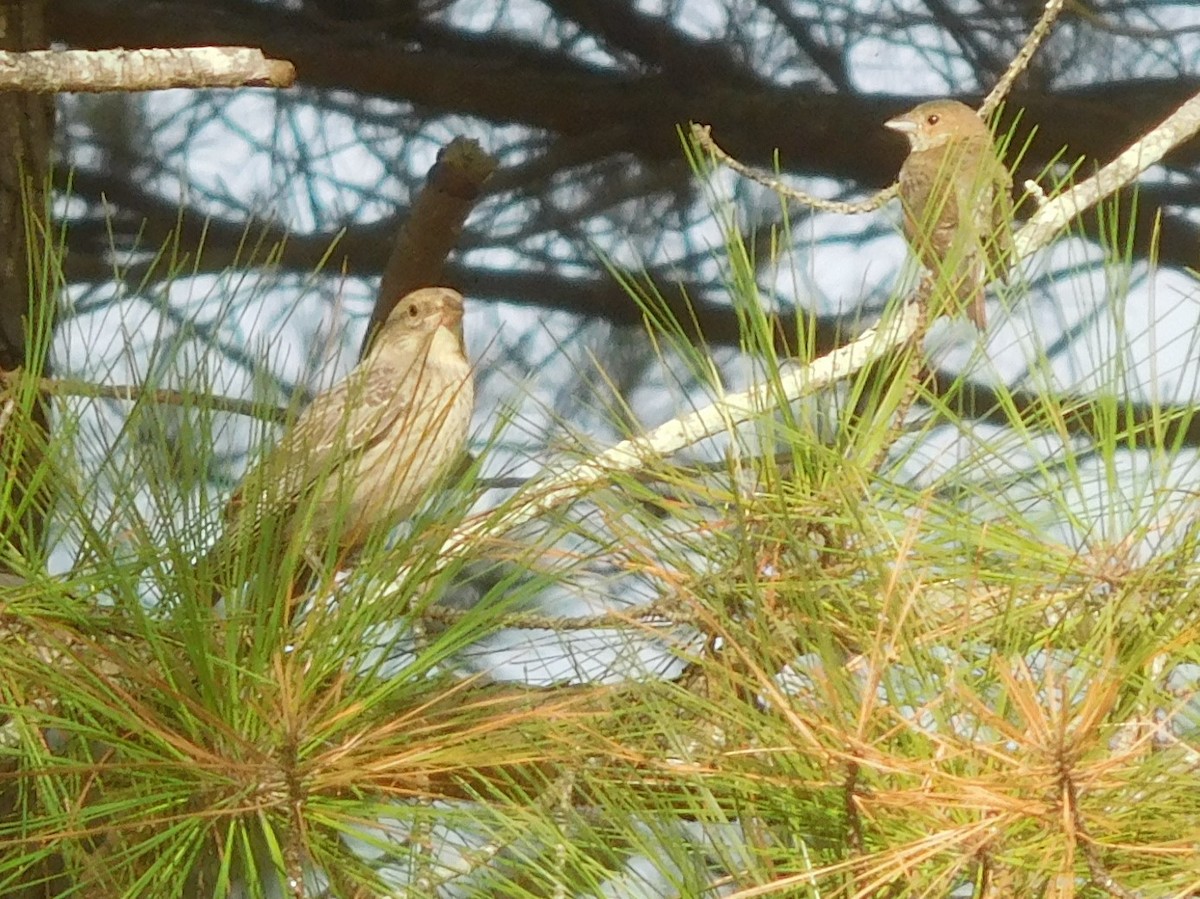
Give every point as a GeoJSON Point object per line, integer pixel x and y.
{"type": "Point", "coordinates": [58, 71]}
{"type": "Point", "coordinates": [132, 393]}
{"type": "Point", "coordinates": [432, 229]}
{"type": "Point", "coordinates": [668, 438]}
{"type": "Point", "coordinates": [1021, 61]}
{"type": "Point", "coordinates": [1178, 128]}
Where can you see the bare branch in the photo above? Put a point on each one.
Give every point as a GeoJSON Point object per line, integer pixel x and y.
{"type": "Point", "coordinates": [702, 135]}
{"type": "Point", "coordinates": [133, 393]}
{"type": "Point", "coordinates": [1177, 128]}
{"type": "Point", "coordinates": [95, 71]}
{"type": "Point", "coordinates": [1021, 61]}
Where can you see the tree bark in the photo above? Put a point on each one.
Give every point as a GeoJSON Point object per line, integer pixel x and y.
{"type": "Point", "coordinates": [27, 287]}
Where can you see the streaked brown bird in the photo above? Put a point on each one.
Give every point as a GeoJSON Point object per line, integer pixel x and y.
{"type": "Point", "coordinates": [957, 200]}
{"type": "Point", "coordinates": [361, 456]}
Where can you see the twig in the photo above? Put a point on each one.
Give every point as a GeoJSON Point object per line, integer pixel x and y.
{"type": "Point", "coordinates": [563, 816]}
{"type": "Point", "coordinates": [1021, 61]}
{"type": "Point", "coordinates": [668, 613]}
{"type": "Point", "coordinates": [853, 819]}
{"type": "Point", "coordinates": [1033, 189]}
{"type": "Point", "coordinates": [1097, 870]}
{"type": "Point", "coordinates": [133, 393]}
{"type": "Point", "coordinates": [702, 134]}
{"type": "Point", "coordinates": [910, 374]}
{"type": "Point", "coordinates": [293, 837]}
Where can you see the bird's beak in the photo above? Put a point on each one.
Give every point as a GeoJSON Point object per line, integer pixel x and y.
{"type": "Point", "coordinates": [452, 314]}
{"type": "Point", "coordinates": [901, 124]}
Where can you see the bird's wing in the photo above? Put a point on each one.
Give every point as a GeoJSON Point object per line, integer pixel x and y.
{"type": "Point", "coordinates": [982, 197]}
{"type": "Point", "coordinates": [1000, 247]}
{"type": "Point", "coordinates": [339, 423]}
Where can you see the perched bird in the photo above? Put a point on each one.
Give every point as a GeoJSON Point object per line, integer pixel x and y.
{"type": "Point", "coordinates": [957, 200]}
{"type": "Point", "coordinates": [360, 457]}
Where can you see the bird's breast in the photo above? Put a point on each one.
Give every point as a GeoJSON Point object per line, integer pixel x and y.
{"type": "Point", "coordinates": [428, 434]}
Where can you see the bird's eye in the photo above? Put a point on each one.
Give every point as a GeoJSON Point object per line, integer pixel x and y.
{"type": "Point", "coordinates": [413, 312]}
{"type": "Point", "coordinates": [934, 119]}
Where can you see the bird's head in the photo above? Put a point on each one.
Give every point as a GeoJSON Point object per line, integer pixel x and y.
{"type": "Point", "coordinates": [420, 316]}
{"type": "Point", "coordinates": [938, 122]}
{"type": "Point", "coordinates": [426, 310]}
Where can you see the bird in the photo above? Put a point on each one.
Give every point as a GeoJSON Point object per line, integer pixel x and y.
{"type": "Point", "coordinates": [957, 200]}
{"type": "Point", "coordinates": [364, 452]}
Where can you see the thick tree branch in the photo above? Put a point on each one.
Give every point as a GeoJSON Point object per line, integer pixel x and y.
{"type": "Point", "coordinates": [658, 43]}
{"type": "Point", "coordinates": [59, 71]}
{"type": "Point", "coordinates": [432, 228]}
{"type": "Point", "coordinates": [28, 288]}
